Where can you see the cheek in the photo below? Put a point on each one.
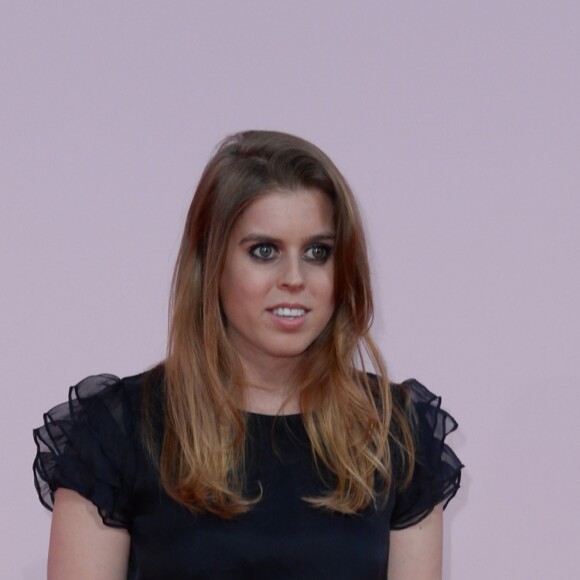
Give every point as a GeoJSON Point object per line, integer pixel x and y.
{"type": "Point", "coordinates": [331, 295]}
{"type": "Point", "coordinates": [240, 287]}
{"type": "Point", "coordinates": [325, 286]}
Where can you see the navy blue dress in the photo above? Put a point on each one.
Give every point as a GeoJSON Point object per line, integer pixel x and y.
{"type": "Point", "coordinates": [92, 444]}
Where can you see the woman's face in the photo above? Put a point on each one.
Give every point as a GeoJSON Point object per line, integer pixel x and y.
{"type": "Point", "coordinates": [277, 287]}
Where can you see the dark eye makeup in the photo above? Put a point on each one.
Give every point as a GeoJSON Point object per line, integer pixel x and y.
{"type": "Point", "coordinates": [263, 251]}
{"type": "Point", "coordinates": [266, 251]}
{"type": "Point", "coordinates": [318, 253]}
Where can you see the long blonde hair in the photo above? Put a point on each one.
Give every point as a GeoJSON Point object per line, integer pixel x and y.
{"type": "Point", "coordinates": [349, 416]}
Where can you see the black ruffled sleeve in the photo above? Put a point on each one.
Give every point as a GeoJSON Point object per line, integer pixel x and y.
{"type": "Point", "coordinates": [437, 473]}
{"type": "Point", "coordinates": [87, 445]}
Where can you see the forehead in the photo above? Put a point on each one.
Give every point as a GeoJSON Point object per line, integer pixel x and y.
{"type": "Point", "coordinates": [297, 209]}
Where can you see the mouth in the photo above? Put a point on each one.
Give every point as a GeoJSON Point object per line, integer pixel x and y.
{"type": "Point", "coordinates": [288, 313]}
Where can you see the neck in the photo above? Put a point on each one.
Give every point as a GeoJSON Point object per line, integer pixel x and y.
{"type": "Point", "coordinates": [270, 387]}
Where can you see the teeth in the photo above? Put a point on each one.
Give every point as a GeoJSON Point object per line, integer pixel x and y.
{"type": "Point", "coordinates": [289, 312]}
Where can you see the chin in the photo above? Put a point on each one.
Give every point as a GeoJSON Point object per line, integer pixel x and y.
{"type": "Point", "coordinates": [287, 351]}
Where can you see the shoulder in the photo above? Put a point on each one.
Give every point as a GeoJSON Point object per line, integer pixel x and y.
{"type": "Point", "coordinates": [112, 393]}
{"type": "Point", "coordinates": [91, 443]}
{"type": "Point", "coordinates": [108, 388]}
{"type": "Point", "coordinates": [99, 402]}
{"type": "Point", "coordinates": [437, 469]}
{"type": "Point", "coordinates": [401, 395]}
{"type": "Point", "coordinates": [429, 420]}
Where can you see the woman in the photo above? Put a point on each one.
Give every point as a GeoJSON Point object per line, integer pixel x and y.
{"type": "Point", "coordinates": [260, 448]}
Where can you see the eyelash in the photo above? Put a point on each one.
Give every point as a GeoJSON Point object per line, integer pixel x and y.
{"type": "Point", "coordinates": [327, 253]}
{"type": "Point", "coordinates": [255, 249]}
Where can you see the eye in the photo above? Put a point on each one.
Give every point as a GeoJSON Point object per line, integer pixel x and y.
{"type": "Point", "coordinates": [318, 253]}
{"type": "Point", "coordinates": [263, 252]}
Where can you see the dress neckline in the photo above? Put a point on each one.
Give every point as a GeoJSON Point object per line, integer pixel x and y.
{"type": "Point", "coordinates": [270, 417]}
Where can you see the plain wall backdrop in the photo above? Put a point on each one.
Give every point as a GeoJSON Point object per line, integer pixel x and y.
{"type": "Point", "coordinates": [457, 124]}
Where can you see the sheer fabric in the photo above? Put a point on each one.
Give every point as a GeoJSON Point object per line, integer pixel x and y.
{"type": "Point", "coordinates": [92, 444]}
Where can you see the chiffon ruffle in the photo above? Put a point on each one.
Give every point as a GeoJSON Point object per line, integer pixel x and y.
{"type": "Point", "coordinates": [87, 445]}
{"type": "Point", "coordinates": [437, 474]}
{"type": "Point", "coordinates": [91, 444]}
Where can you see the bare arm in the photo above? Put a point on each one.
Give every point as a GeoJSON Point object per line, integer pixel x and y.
{"type": "Point", "coordinates": [416, 552]}
{"type": "Point", "coordinates": [81, 546]}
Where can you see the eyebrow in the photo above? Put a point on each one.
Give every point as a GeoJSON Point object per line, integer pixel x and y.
{"type": "Point", "coordinates": [323, 237]}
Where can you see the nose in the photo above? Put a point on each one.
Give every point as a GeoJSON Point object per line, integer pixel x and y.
{"type": "Point", "coordinates": [292, 274]}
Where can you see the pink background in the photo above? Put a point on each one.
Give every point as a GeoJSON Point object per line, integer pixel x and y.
{"type": "Point", "coordinates": [457, 124]}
